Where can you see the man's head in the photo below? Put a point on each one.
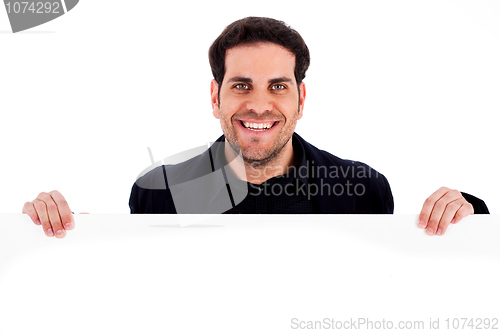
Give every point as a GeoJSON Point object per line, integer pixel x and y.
{"type": "Point", "coordinates": [258, 66]}
{"type": "Point", "coordinates": [253, 30]}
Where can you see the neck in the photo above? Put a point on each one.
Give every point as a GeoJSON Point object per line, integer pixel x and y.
{"type": "Point", "coordinates": [257, 173]}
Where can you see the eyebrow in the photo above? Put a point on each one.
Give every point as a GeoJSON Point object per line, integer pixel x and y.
{"type": "Point", "coordinates": [249, 80]}
{"type": "Point", "coordinates": [280, 79]}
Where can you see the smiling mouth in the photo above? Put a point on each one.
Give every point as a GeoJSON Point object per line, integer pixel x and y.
{"type": "Point", "coordinates": [258, 127]}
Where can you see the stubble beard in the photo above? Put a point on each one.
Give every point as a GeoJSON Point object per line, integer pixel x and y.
{"type": "Point", "coordinates": [260, 158]}
{"type": "Point", "coordinates": [273, 155]}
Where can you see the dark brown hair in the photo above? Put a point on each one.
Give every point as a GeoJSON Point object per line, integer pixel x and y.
{"type": "Point", "coordinates": [251, 30]}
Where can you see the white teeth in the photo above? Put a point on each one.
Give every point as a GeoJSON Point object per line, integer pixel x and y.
{"type": "Point", "coordinates": [257, 127]}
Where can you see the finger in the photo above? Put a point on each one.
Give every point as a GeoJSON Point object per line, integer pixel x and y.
{"type": "Point", "coordinates": [29, 210]}
{"type": "Point", "coordinates": [66, 217]}
{"type": "Point", "coordinates": [428, 206]}
{"type": "Point", "coordinates": [466, 210]}
{"type": "Point", "coordinates": [41, 210]}
{"type": "Point", "coordinates": [449, 215]}
{"type": "Point", "coordinates": [439, 208]}
{"type": "Point", "coordinates": [53, 213]}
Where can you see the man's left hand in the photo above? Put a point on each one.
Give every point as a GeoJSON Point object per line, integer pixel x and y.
{"type": "Point", "coordinates": [443, 207]}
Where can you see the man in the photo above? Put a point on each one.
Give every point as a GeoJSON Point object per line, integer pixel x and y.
{"type": "Point", "coordinates": [258, 165]}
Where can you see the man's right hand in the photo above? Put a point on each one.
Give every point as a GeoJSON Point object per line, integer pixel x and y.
{"type": "Point", "coordinates": [51, 211]}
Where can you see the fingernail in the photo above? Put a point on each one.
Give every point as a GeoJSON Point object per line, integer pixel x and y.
{"type": "Point", "coordinates": [37, 222]}
{"type": "Point", "coordinates": [439, 232]}
{"type": "Point", "coordinates": [421, 224]}
{"type": "Point", "coordinates": [453, 221]}
{"type": "Point", "coordinates": [429, 231]}
{"type": "Point", "coordinates": [50, 233]}
{"type": "Point", "coordinates": [59, 233]}
{"type": "Point", "coordinates": [67, 225]}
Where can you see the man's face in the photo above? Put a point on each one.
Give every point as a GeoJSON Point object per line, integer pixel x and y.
{"type": "Point", "coordinates": [259, 100]}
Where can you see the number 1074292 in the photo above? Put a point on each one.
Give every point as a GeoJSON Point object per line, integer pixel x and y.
{"type": "Point", "coordinates": [33, 7]}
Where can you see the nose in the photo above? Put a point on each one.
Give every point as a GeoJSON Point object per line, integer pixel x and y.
{"type": "Point", "coordinates": [259, 101]}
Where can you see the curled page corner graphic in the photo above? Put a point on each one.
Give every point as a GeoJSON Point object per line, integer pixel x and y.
{"type": "Point", "coordinates": [70, 4]}
{"type": "Point", "coordinates": [199, 180]}
{"type": "Point", "coordinates": [24, 15]}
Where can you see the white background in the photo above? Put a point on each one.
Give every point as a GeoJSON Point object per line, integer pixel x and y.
{"type": "Point", "coordinates": [137, 273]}
{"type": "Point", "coordinates": [409, 87]}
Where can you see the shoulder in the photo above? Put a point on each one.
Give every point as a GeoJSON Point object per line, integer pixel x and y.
{"type": "Point", "coordinates": [151, 192]}
{"type": "Point", "coordinates": [193, 168]}
{"type": "Point", "coordinates": [362, 188]}
{"type": "Point", "coordinates": [346, 167]}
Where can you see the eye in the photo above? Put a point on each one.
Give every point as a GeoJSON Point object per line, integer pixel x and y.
{"type": "Point", "coordinates": [278, 86]}
{"type": "Point", "coordinates": [241, 86]}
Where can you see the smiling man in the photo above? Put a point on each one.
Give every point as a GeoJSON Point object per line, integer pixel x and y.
{"type": "Point", "coordinates": [258, 95]}
{"type": "Point", "coordinates": [262, 103]}
{"type": "Point", "coordinates": [260, 165]}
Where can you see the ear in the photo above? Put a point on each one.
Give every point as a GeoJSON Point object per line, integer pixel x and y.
{"type": "Point", "coordinates": [214, 93]}
{"type": "Point", "coordinates": [302, 99]}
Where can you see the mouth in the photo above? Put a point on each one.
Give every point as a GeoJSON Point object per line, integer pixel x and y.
{"type": "Point", "coordinates": [258, 127]}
